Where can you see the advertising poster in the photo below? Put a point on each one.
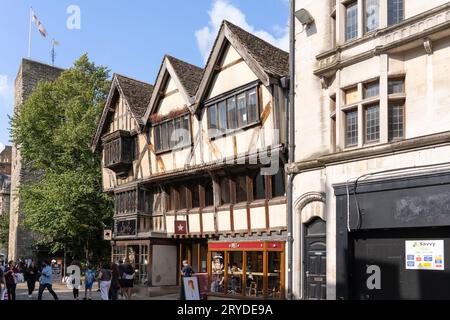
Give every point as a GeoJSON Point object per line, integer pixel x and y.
{"type": "Point", "coordinates": [191, 288]}
{"type": "Point", "coordinates": [425, 255]}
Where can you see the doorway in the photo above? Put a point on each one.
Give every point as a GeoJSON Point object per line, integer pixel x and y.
{"type": "Point", "coordinates": [315, 245]}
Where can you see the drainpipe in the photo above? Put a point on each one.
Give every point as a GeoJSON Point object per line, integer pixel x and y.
{"type": "Point", "coordinates": [291, 146]}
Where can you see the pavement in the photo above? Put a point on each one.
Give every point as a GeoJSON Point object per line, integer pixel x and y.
{"type": "Point", "coordinates": [65, 293]}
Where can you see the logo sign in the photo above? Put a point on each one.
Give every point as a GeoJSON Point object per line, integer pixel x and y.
{"type": "Point", "coordinates": [424, 255]}
{"type": "Point", "coordinates": [107, 235]}
{"type": "Point", "coordinates": [374, 280]}
{"type": "Point", "coordinates": [181, 227]}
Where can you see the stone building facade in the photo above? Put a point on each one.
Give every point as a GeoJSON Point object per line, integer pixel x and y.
{"type": "Point", "coordinates": [29, 75]}
{"type": "Point", "coordinates": [5, 185]}
{"type": "Point", "coordinates": [372, 149]}
{"type": "Point", "coordinates": [5, 160]}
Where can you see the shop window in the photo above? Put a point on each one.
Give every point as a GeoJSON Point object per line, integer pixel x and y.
{"type": "Point", "coordinates": [224, 191]}
{"type": "Point", "coordinates": [235, 265]}
{"type": "Point", "coordinates": [217, 272]}
{"type": "Point", "coordinates": [259, 186]}
{"type": "Point", "coordinates": [274, 275]}
{"type": "Point", "coordinates": [241, 189]}
{"type": "Point", "coordinates": [143, 265]}
{"type": "Point", "coordinates": [119, 254]}
{"type": "Point", "coordinates": [255, 273]}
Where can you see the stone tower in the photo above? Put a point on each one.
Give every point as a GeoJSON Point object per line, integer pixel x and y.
{"type": "Point", "coordinates": [5, 185]}
{"type": "Point", "coordinates": [21, 240]}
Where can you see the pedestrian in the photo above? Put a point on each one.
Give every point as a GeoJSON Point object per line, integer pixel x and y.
{"type": "Point", "coordinates": [45, 281]}
{"type": "Point", "coordinates": [186, 272]}
{"type": "Point", "coordinates": [2, 281]}
{"type": "Point", "coordinates": [74, 280]}
{"type": "Point", "coordinates": [128, 280]}
{"type": "Point", "coordinates": [115, 284]}
{"type": "Point", "coordinates": [89, 279]}
{"type": "Point", "coordinates": [31, 276]}
{"type": "Point", "coordinates": [121, 269]}
{"type": "Point", "coordinates": [11, 280]}
{"type": "Point", "coordinates": [104, 278]}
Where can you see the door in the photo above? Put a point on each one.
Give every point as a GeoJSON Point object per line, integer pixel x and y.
{"type": "Point", "coordinates": [315, 260]}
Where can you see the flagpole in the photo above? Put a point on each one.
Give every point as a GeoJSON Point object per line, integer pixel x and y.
{"type": "Point", "coordinates": [29, 33]}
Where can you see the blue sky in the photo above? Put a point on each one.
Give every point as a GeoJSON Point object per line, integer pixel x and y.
{"type": "Point", "coordinates": [129, 37]}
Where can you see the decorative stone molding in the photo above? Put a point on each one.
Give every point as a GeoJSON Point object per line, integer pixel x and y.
{"type": "Point", "coordinates": [306, 199]}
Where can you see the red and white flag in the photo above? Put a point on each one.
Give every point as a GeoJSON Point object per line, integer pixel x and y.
{"type": "Point", "coordinates": [39, 25]}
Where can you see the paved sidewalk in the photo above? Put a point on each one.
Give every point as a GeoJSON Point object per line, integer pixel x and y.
{"type": "Point", "coordinates": [65, 293]}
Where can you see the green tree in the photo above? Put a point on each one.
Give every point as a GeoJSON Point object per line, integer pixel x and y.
{"type": "Point", "coordinates": [4, 228]}
{"type": "Point", "coordinates": [54, 129]}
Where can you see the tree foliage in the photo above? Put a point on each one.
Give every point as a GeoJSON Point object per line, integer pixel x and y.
{"type": "Point", "coordinates": [54, 129]}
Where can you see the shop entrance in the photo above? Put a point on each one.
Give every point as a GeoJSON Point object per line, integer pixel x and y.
{"type": "Point", "coordinates": [315, 260]}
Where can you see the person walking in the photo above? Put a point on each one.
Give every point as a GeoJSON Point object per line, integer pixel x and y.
{"type": "Point", "coordinates": [2, 281]}
{"type": "Point", "coordinates": [11, 280]}
{"type": "Point", "coordinates": [74, 282]}
{"type": "Point", "coordinates": [186, 272]}
{"type": "Point", "coordinates": [115, 284]}
{"type": "Point", "coordinates": [105, 281]}
{"type": "Point", "coordinates": [89, 279]}
{"type": "Point", "coordinates": [128, 280]}
{"type": "Point", "coordinates": [31, 276]}
{"type": "Point", "coordinates": [45, 281]}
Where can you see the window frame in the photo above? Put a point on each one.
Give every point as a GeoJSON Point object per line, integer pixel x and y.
{"type": "Point", "coordinates": [390, 106]}
{"type": "Point", "coordinates": [348, 6]}
{"type": "Point", "coordinates": [366, 126]}
{"type": "Point", "coordinates": [167, 146]}
{"type": "Point", "coordinates": [389, 22]}
{"type": "Point", "coordinates": [224, 98]}
{"type": "Point", "coordinates": [366, 30]}
{"type": "Point", "coordinates": [346, 113]}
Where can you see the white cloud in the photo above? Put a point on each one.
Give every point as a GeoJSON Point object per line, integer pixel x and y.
{"type": "Point", "coordinates": [6, 90]}
{"type": "Point", "coordinates": [223, 10]}
{"type": "Point", "coordinates": [2, 146]}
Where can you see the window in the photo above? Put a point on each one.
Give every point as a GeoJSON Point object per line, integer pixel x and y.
{"type": "Point", "coordinates": [259, 186]}
{"type": "Point", "coordinates": [231, 107]}
{"type": "Point", "coordinates": [351, 95]}
{"type": "Point", "coordinates": [254, 273]}
{"type": "Point", "coordinates": [195, 195]}
{"type": "Point", "coordinates": [278, 184]}
{"type": "Point", "coordinates": [171, 134]}
{"type": "Point", "coordinates": [224, 191]}
{"type": "Point", "coordinates": [396, 121]}
{"type": "Point", "coordinates": [372, 123]}
{"type": "Point", "coordinates": [396, 86]}
{"type": "Point", "coordinates": [396, 11]}
{"type": "Point", "coordinates": [241, 189]}
{"type": "Point", "coordinates": [209, 194]}
{"type": "Point", "coordinates": [371, 89]}
{"type": "Point", "coordinates": [351, 128]}
{"type": "Point", "coordinates": [235, 112]}
{"type": "Point", "coordinates": [372, 15]}
{"type": "Point", "coordinates": [351, 23]}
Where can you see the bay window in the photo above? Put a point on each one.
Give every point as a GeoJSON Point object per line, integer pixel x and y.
{"type": "Point", "coordinates": [173, 133]}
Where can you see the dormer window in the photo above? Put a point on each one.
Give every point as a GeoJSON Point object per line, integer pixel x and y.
{"type": "Point", "coordinates": [172, 134]}
{"type": "Point", "coordinates": [119, 149]}
{"type": "Point", "coordinates": [234, 111]}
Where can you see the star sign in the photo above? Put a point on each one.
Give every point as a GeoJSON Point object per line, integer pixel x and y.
{"type": "Point", "coordinates": [180, 227]}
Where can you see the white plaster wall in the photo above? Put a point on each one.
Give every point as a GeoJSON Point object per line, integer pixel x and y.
{"type": "Point", "coordinates": [277, 215]}
{"type": "Point", "coordinates": [164, 265]}
{"type": "Point", "coordinates": [208, 222]}
{"type": "Point", "coordinates": [258, 218]}
{"type": "Point", "coordinates": [240, 219]}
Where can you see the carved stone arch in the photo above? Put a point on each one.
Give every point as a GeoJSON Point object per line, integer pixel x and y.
{"type": "Point", "coordinates": [307, 199]}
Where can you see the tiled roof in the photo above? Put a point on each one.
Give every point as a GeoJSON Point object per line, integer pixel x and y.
{"type": "Point", "coordinates": [188, 74]}
{"type": "Point", "coordinates": [272, 59]}
{"type": "Point", "coordinates": [137, 93]}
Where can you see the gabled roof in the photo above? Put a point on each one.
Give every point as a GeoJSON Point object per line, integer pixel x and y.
{"type": "Point", "coordinates": [268, 62]}
{"type": "Point", "coordinates": [187, 77]}
{"type": "Point", "coordinates": [137, 95]}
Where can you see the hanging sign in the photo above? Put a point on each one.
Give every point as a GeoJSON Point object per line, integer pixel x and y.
{"type": "Point", "coordinates": [424, 255]}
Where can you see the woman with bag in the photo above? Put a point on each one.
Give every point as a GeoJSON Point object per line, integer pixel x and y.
{"type": "Point", "coordinates": [10, 279]}
{"type": "Point", "coordinates": [128, 280]}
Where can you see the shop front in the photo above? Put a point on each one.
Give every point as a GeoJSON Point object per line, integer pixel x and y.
{"type": "Point", "coordinates": [247, 269]}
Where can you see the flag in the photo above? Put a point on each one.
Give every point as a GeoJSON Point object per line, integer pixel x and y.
{"type": "Point", "coordinates": [39, 25]}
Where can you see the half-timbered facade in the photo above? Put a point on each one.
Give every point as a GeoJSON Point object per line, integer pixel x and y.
{"type": "Point", "coordinates": [199, 176]}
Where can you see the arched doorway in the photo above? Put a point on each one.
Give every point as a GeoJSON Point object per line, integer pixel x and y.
{"type": "Point", "coordinates": [315, 246]}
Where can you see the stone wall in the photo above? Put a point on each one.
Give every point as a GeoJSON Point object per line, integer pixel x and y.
{"type": "Point", "coordinates": [21, 239]}
{"type": "Point", "coordinates": [5, 160]}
